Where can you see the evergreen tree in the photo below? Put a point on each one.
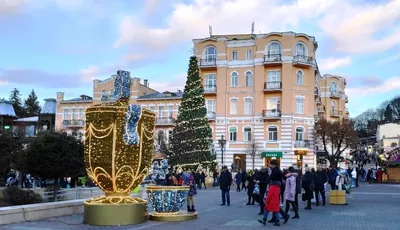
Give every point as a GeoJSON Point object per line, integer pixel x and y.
{"type": "Point", "coordinates": [192, 137]}
{"type": "Point", "coordinates": [15, 99]}
{"type": "Point", "coordinates": [389, 113]}
{"type": "Point", "coordinates": [32, 106]}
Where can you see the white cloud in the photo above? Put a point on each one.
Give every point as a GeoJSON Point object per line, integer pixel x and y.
{"type": "Point", "coordinates": [389, 59]}
{"type": "Point", "coordinates": [11, 6]}
{"type": "Point", "coordinates": [176, 83]}
{"type": "Point", "coordinates": [388, 85]}
{"type": "Point", "coordinates": [330, 63]}
{"type": "Point", "coordinates": [151, 6]}
{"type": "Point", "coordinates": [90, 73]}
{"type": "Point", "coordinates": [352, 27]}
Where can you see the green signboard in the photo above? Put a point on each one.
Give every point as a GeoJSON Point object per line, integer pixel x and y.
{"type": "Point", "coordinates": [272, 154]}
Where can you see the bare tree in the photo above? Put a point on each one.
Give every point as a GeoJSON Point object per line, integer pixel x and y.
{"type": "Point", "coordinates": [253, 150]}
{"type": "Point", "coordinates": [336, 137]}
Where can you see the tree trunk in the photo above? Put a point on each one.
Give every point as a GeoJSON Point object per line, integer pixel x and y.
{"type": "Point", "coordinates": [253, 161]}
{"type": "Point", "coordinates": [332, 161]}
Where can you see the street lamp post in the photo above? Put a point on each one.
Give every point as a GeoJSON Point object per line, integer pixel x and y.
{"type": "Point", "coordinates": [222, 143]}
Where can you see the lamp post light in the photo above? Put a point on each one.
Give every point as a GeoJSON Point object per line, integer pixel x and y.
{"type": "Point", "coordinates": [222, 143]}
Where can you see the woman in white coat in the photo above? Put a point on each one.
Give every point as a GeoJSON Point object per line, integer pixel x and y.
{"type": "Point", "coordinates": [340, 180]}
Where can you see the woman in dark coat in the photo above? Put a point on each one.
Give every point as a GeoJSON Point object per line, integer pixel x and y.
{"type": "Point", "coordinates": [250, 188]}
{"type": "Point", "coordinates": [308, 186]}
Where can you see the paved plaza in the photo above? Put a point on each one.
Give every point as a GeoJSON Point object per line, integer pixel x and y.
{"type": "Point", "coordinates": [370, 207]}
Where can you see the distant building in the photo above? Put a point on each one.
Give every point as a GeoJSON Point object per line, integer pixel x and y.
{"type": "Point", "coordinates": [388, 135]}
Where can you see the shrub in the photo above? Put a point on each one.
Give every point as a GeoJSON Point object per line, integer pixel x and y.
{"type": "Point", "coordinates": [17, 196]}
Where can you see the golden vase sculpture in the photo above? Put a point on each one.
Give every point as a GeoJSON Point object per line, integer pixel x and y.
{"type": "Point", "coordinates": [119, 142]}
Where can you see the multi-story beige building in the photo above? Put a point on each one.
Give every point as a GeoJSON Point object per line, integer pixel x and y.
{"type": "Point", "coordinates": [264, 89]}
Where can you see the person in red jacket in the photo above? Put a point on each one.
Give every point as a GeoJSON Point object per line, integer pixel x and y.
{"type": "Point", "coordinates": [272, 204]}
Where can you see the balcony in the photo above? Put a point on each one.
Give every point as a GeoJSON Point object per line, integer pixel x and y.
{"type": "Point", "coordinates": [302, 144]}
{"type": "Point", "coordinates": [303, 61]}
{"type": "Point", "coordinates": [73, 123]}
{"type": "Point", "coordinates": [346, 99]}
{"type": "Point", "coordinates": [208, 63]}
{"type": "Point", "coordinates": [336, 113]}
{"type": "Point", "coordinates": [211, 115]}
{"type": "Point", "coordinates": [271, 114]}
{"type": "Point", "coordinates": [321, 109]}
{"type": "Point", "coordinates": [272, 59]}
{"type": "Point", "coordinates": [165, 121]}
{"type": "Point", "coordinates": [210, 89]}
{"type": "Point", "coordinates": [272, 86]}
{"type": "Point", "coordinates": [347, 110]}
{"type": "Point", "coordinates": [335, 94]}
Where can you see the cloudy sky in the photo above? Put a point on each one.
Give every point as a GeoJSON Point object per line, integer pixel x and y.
{"type": "Point", "coordinates": [62, 45]}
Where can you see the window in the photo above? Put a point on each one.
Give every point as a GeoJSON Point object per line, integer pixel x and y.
{"type": "Point", "coordinates": [234, 79]}
{"type": "Point", "coordinates": [333, 106]}
{"type": "Point", "coordinates": [274, 79]}
{"type": "Point", "coordinates": [65, 114]}
{"type": "Point", "coordinates": [300, 105]}
{"type": "Point", "coordinates": [169, 135]}
{"type": "Point", "coordinates": [151, 108]}
{"type": "Point", "coordinates": [247, 133]}
{"type": "Point", "coordinates": [210, 54]}
{"type": "Point", "coordinates": [232, 133]}
{"type": "Point", "coordinates": [161, 112]}
{"type": "Point", "coordinates": [178, 107]}
{"type": "Point", "coordinates": [248, 106]}
{"type": "Point", "coordinates": [274, 49]}
{"type": "Point", "coordinates": [80, 114]}
{"type": "Point", "coordinates": [210, 81]}
{"type": "Point", "coordinates": [73, 114]}
{"type": "Point", "coordinates": [300, 50]}
{"type": "Point", "coordinates": [273, 133]}
{"type": "Point", "coordinates": [234, 55]}
{"type": "Point", "coordinates": [248, 55]}
{"type": "Point", "coordinates": [249, 79]}
{"type": "Point", "coordinates": [273, 104]}
{"type": "Point", "coordinates": [160, 136]}
{"type": "Point", "coordinates": [333, 88]}
{"type": "Point", "coordinates": [170, 111]}
{"type": "Point", "coordinates": [299, 133]}
{"type": "Point", "coordinates": [103, 93]}
{"type": "Point", "coordinates": [299, 77]}
{"type": "Point", "coordinates": [210, 105]}
{"type": "Point", "coordinates": [234, 103]}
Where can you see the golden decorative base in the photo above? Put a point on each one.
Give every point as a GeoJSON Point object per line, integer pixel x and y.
{"type": "Point", "coordinates": [114, 214]}
{"type": "Point", "coordinates": [173, 217]}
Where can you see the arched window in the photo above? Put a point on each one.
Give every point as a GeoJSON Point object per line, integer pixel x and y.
{"type": "Point", "coordinates": [210, 54]}
{"type": "Point", "coordinates": [234, 79]}
{"type": "Point", "coordinates": [273, 133]}
{"type": "Point", "coordinates": [299, 133]}
{"type": "Point", "coordinates": [249, 79]}
{"type": "Point", "coordinates": [248, 106]}
{"type": "Point", "coordinates": [300, 49]}
{"type": "Point", "coordinates": [300, 77]}
{"type": "Point", "coordinates": [232, 133]}
{"type": "Point", "coordinates": [333, 104]}
{"type": "Point", "coordinates": [333, 88]}
{"type": "Point", "coordinates": [247, 133]}
{"type": "Point", "coordinates": [274, 49]}
{"type": "Point", "coordinates": [233, 105]}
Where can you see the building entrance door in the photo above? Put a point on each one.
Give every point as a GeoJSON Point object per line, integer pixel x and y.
{"type": "Point", "coordinates": [267, 161]}
{"type": "Point", "coordinates": [239, 162]}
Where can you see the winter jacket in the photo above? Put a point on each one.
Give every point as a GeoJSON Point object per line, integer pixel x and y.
{"type": "Point", "coordinates": [290, 187]}
{"type": "Point", "coordinates": [192, 189]}
{"type": "Point", "coordinates": [298, 183]}
{"type": "Point", "coordinates": [238, 178]}
{"type": "Point", "coordinates": [276, 174]}
{"type": "Point", "coordinates": [272, 203]}
{"type": "Point", "coordinates": [308, 181]}
{"type": "Point", "coordinates": [250, 185]}
{"type": "Point", "coordinates": [332, 174]}
{"type": "Point", "coordinates": [263, 177]}
{"type": "Point", "coordinates": [225, 180]}
{"type": "Point", "coordinates": [320, 179]}
{"type": "Point", "coordinates": [354, 173]}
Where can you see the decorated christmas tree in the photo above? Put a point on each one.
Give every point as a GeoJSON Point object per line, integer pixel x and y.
{"type": "Point", "coordinates": [192, 137]}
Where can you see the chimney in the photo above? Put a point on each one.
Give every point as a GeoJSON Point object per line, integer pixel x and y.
{"type": "Point", "coordinates": [146, 82]}
{"type": "Point", "coordinates": [60, 96]}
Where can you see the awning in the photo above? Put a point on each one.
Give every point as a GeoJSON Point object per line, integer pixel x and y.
{"type": "Point", "coordinates": [272, 154]}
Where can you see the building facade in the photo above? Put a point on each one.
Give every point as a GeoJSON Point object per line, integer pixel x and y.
{"type": "Point", "coordinates": [261, 90]}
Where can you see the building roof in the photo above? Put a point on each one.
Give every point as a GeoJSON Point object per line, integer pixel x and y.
{"type": "Point", "coordinates": [164, 95]}
{"type": "Point", "coordinates": [82, 98]}
{"type": "Point", "coordinates": [28, 119]}
{"type": "Point", "coordinates": [6, 108]}
{"type": "Point", "coordinates": [49, 106]}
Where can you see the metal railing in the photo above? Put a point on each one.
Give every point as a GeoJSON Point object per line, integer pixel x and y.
{"type": "Point", "coordinates": [271, 113]}
{"type": "Point", "coordinates": [335, 94]}
{"type": "Point", "coordinates": [69, 194]}
{"type": "Point", "coordinates": [272, 58]}
{"type": "Point", "coordinates": [336, 113]}
{"type": "Point", "coordinates": [272, 85]}
{"type": "Point", "coordinates": [210, 88]}
{"type": "Point", "coordinates": [208, 62]}
{"type": "Point", "coordinates": [302, 143]}
{"type": "Point", "coordinates": [73, 123]}
{"type": "Point", "coordinates": [302, 59]}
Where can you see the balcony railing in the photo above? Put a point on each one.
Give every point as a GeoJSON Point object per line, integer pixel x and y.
{"type": "Point", "coordinates": [208, 62]}
{"type": "Point", "coordinates": [165, 121]}
{"type": "Point", "coordinates": [211, 115]}
{"type": "Point", "coordinates": [210, 88]}
{"type": "Point", "coordinates": [274, 113]}
{"type": "Point", "coordinates": [346, 99]}
{"type": "Point", "coordinates": [302, 59]}
{"type": "Point", "coordinates": [335, 94]}
{"type": "Point", "coordinates": [272, 58]}
{"type": "Point", "coordinates": [302, 143]}
{"type": "Point", "coordinates": [336, 113]}
{"type": "Point", "coordinates": [272, 85]}
{"type": "Point", "coordinates": [70, 123]}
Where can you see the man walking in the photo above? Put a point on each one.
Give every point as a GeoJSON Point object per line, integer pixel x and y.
{"type": "Point", "coordinates": [225, 185]}
{"type": "Point", "coordinates": [320, 179]}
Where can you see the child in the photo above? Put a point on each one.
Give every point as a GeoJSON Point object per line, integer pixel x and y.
{"type": "Point", "coordinates": [272, 204]}
{"type": "Point", "coordinates": [191, 194]}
